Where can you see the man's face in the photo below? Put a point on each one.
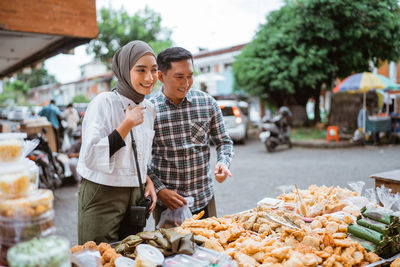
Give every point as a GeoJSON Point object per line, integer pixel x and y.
{"type": "Point", "coordinates": [178, 80]}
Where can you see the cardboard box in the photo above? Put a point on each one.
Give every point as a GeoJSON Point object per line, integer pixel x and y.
{"type": "Point", "coordinates": [37, 125]}
{"type": "Point", "coordinates": [5, 128]}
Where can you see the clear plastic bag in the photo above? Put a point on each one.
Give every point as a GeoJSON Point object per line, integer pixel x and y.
{"type": "Point", "coordinates": [386, 197]}
{"type": "Point", "coordinates": [356, 202]}
{"type": "Point", "coordinates": [173, 218]}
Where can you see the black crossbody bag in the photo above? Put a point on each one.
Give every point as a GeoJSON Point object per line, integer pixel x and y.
{"type": "Point", "coordinates": [135, 216]}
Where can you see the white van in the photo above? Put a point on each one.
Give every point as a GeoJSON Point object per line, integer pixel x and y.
{"type": "Point", "coordinates": [235, 118]}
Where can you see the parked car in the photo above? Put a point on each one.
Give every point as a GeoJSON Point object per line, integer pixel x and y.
{"type": "Point", "coordinates": [19, 113]}
{"type": "Point", "coordinates": [235, 118]}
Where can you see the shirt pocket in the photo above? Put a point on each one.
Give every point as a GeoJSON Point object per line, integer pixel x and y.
{"type": "Point", "coordinates": [199, 132]}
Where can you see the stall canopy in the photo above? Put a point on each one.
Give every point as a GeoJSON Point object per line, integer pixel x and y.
{"type": "Point", "coordinates": [31, 31]}
{"type": "Point", "coordinates": [364, 82]}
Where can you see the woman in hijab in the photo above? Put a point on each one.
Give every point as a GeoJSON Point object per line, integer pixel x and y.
{"type": "Point", "coordinates": [106, 162]}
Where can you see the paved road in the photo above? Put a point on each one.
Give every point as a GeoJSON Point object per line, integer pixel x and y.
{"type": "Point", "coordinates": [257, 174]}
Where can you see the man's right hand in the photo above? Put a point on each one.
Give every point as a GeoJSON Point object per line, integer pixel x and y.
{"type": "Point", "coordinates": [171, 199]}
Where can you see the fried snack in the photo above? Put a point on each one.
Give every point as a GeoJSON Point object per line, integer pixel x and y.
{"type": "Point", "coordinates": [102, 247]}
{"type": "Point", "coordinates": [90, 245]}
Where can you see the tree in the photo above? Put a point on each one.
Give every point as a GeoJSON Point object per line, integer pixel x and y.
{"type": "Point", "coordinates": [15, 90]}
{"type": "Point", "coordinates": [36, 78]}
{"type": "Point", "coordinates": [309, 43]}
{"type": "Point", "coordinates": [80, 99]}
{"type": "Point", "coordinates": [117, 28]}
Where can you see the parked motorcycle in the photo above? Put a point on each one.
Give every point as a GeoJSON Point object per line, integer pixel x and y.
{"type": "Point", "coordinates": [51, 170]}
{"type": "Point", "coordinates": [276, 131]}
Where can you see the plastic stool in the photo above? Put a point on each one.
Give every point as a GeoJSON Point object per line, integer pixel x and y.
{"type": "Point", "coordinates": [332, 133]}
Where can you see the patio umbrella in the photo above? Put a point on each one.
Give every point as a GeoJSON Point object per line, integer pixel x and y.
{"type": "Point", "coordinates": [364, 82]}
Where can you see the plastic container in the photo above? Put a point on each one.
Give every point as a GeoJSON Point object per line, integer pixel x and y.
{"type": "Point", "coordinates": [147, 255]}
{"type": "Point", "coordinates": [211, 256]}
{"type": "Point", "coordinates": [18, 230]}
{"type": "Point", "coordinates": [47, 251]}
{"type": "Point", "coordinates": [11, 146]}
{"type": "Point", "coordinates": [18, 178]}
{"type": "Point", "coordinates": [181, 260]}
{"type": "Point", "coordinates": [36, 203]}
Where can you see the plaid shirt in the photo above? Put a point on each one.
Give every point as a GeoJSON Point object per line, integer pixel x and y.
{"type": "Point", "coordinates": [181, 148]}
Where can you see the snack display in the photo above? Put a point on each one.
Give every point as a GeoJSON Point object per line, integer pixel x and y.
{"type": "Point", "coordinates": [48, 251]}
{"type": "Point", "coordinates": [17, 230]}
{"type": "Point", "coordinates": [33, 205]}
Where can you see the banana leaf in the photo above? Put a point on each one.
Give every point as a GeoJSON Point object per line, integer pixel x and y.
{"type": "Point", "coordinates": [377, 215]}
{"type": "Point", "coordinates": [374, 225]}
{"type": "Point", "coordinates": [365, 233]}
{"type": "Point", "coordinates": [368, 245]}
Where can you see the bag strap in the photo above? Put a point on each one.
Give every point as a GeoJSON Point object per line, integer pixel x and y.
{"type": "Point", "coordinates": [137, 163]}
{"type": "Point", "coordinates": [133, 143]}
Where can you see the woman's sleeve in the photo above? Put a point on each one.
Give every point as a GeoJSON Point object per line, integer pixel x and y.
{"type": "Point", "coordinates": [95, 136]}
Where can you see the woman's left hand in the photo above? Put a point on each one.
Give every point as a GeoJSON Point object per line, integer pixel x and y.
{"type": "Point", "coordinates": [150, 191]}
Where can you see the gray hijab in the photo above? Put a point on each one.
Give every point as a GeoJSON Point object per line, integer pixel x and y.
{"type": "Point", "coordinates": [123, 61]}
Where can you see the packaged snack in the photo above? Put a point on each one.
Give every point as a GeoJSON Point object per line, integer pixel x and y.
{"type": "Point", "coordinates": [18, 178]}
{"type": "Point", "coordinates": [147, 255]}
{"type": "Point", "coordinates": [18, 230]}
{"type": "Point", "coordinates": [37, 202]}
{"type": "Point", "coordinates": [11, 146]}
{"type": "Point", "coordinates": [47, 251]}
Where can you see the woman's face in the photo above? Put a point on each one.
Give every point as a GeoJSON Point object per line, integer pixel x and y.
{"type": "Point", "coordinates": [144, 74]}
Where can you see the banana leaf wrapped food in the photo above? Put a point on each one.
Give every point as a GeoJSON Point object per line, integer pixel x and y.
{"type": "Point", "coordinates": [374, 225]}
{"type": "Point", "coordinates": [378, 215]}
{"type": "Point", "coordinates": [365, 233]}
{"type": "Point", "coordinates": [368, 245]}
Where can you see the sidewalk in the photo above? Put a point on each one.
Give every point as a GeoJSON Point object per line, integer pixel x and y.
{"type": "Point", "coordinates": [320, 143]}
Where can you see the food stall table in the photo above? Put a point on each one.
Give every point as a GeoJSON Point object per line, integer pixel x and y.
{"type": "Point", "coordinates": [390, 179]}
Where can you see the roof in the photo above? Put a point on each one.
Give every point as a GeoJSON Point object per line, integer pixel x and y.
{"type": "Point", "coordinates": [209, 53]}
{"type": "Point", "coordinates": [32, 31]}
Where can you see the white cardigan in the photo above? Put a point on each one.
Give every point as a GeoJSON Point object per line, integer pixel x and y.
{"type": "Point", "coordinates": [103, 115]}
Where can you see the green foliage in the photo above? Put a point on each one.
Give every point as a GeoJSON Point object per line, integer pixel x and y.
{"type": "Point", "coordinates": [36, 78]}
{"type": "Point", "coordinates": [15, 91]}
{"type": "Point", "coordinates": [80, 99]}
{"type": "Point", "coordinates": [308, 43]}
{"type": "Point", "coordinates": [117, 28]}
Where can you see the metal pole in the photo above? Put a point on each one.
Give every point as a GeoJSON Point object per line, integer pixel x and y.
{"type": "Point", "coordinates": [365, 112]}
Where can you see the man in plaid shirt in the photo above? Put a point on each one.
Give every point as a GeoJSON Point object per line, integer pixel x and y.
{"type": "Point", "coordinates": [186, 120]}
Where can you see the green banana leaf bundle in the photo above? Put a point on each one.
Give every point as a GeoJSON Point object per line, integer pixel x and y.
{"type": "Point", "coordinates": [365, 233]}
{"type": "Point", "coordinates": [378, 215]}
{"type": "Point", "coordinates": [389, 246]}
{"type": "Point", "coordinates": [368, 245]}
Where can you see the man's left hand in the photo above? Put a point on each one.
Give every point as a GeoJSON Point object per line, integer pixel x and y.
{"type": "Point", "coordinates": [150, 191]}
{"type": "Point", "coordinates": [221, 172]}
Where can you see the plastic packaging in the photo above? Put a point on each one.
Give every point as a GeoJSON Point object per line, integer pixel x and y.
{"type": "Point", "coordinates": [148, 256]}
{"type": "Point", "coordinates": [18, 178]}
{"type": "Point", "coordinates": [184, 261]}
{"type": "Point", "coordinates": [211, 256]}
{"type": "Point", "coordinates": [385, 197]}
{"type": "Point", "coordinates": [87, 258]}
{"type": "Point", "coordinates": [37, 202]}
{"type": "Point", "coordinates": [173, 218]}
{"type": "Point", "coordinates": [48, 251]}
{"type": "Point", "coordinates": [124, 262]}
{"type": "Point", "coordinates": [15, 230]}
{"type": "Point", "coordinates": [11, 146]}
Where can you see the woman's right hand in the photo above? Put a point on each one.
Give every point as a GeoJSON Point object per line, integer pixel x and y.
{"type": "Point", "coordinates": [134, 116]}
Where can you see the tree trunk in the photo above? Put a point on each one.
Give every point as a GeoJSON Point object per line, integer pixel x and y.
{"type": "Point", "coordinates": [317, 115]}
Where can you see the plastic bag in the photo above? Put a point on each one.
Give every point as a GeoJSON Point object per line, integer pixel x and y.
{"type": "Point", "coordinates": [386, 197]}
{"type": "Point", "coordinates": [371, 195]}
{"type": "Point", "coordinates": [173, 218]}
{"type": "Point", "coordinates": [86, 258]}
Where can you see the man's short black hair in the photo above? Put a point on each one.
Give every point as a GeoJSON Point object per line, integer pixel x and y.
{"type": "Point", "coordinates": [52, 101]}
{"type": "Point", "coordinates": [172, 54]}
{"type": "Point", "coordinates": [70, 105]}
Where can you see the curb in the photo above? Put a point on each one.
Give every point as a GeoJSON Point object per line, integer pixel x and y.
{"type": "Point", "coordinates": [324, 144]}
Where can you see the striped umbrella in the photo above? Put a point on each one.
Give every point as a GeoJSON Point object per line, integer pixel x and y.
{"type": "Point", "coordinates": [364, 82]}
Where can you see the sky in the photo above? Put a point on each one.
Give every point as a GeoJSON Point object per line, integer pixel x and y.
{"type": "Point", "coordinates": [210, 24]}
